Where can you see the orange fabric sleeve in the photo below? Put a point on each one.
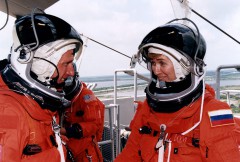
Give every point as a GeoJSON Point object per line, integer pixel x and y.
{"type": "Point", "coordinates": [131, 150]}
{"type": "Point", "coordinates": [15, 134]}
{"type": "Point", "coordinates": [50, 155]}
{"type": "Point", "coordinates": [219, 143]}
{"type": "Point", "coordinates": [92, 113]}
{"type": "Point", "coordinates": [13, 130]}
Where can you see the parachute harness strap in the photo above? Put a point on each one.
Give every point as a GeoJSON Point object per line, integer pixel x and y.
{"type": "Point", "coordinates": [56, 130]}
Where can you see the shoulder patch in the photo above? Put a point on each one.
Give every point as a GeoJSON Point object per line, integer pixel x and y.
{"type": "Point", "coordinates": [89, 98]}
{"type": "Point", "coordinates": [221, 117]}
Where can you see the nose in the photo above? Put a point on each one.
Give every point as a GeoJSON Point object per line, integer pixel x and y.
{"type": "Point", "coordinates": [70, 71]}
{"type": "Point", "coordinates": [157, 69]}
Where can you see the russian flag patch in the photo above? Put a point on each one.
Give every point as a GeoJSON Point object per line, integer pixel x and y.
{"type": "Point", "coordinates": [221, 117]}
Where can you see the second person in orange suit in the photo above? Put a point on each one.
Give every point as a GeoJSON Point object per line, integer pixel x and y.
{"type": "Point", "coordinates": [83, 125]}
{"type": "Point", "coordinates": [180, 120]}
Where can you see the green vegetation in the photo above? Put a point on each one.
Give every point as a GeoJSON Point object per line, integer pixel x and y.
{"type": "Point", "coordinates": [233, 74]}
{"type": "Point", "coordinates": [234, 101]}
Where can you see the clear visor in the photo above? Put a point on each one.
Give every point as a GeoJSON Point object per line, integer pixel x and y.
{"type": "Point", "coordinates": [182, 63]}
{"type": "Point", "coordinates": [183, 66]}
{"type": "Point", "coordinates": [46, 57]}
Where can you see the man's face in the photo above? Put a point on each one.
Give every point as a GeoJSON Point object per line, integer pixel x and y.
{"type": "Point", "coordinates": [65, 67]}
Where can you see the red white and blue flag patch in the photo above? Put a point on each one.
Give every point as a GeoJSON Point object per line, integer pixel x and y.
{"type": "Point", "coordinates": [89, 98]}
{"type": "Point", "coordinates": [221, 117]}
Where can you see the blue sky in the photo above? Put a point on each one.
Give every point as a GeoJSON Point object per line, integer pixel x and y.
{"type": "Point", "coordinates": [122, 24]}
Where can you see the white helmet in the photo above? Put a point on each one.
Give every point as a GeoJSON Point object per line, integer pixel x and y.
{"type": "Point", "coordinates": [186, 48]}
{"type": "Point", "coordinates": [39, 41]}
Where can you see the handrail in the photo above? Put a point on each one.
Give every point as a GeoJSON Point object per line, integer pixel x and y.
{"type": "Point", "coordinates": [227, 92]}
{"type": "Point", "coordinates": [218, 77]}
{"type": "Point", "coordinates": [111, 126]}
{"type": "Point", "coordinates": [133, 73]}
{"type": "Point", "coordinates": [91, 86]}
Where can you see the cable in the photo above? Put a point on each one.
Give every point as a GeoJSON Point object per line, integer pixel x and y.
{"type": "Point", "coordinates": [53, 81]}
{"type": "Point", "coordinates": [214, 25]}
{"type": "Point", "coordinates": [34, 27]}
{"type": "Point", "coordinates": [182, 2]}
{"type": "Point", "coordinates": [106, 46]}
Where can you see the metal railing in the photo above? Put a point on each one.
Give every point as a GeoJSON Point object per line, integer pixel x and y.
{"type": "Point", "coordinates": [118, 140]}
{"type": "Point", "coordinates": [227, 93]}
{"type": "Point", "coordinates": [218, 77]}
{"type": "Point", "coordinates": [112, 129]}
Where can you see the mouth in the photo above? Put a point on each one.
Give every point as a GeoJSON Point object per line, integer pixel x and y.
{"type": "Point", "coordinates": [60, 81]}
{"type": "Point", "coordinates": [161, 77]}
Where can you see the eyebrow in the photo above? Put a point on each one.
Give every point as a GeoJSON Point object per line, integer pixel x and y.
{"type": "Point", "coordinates": [158, 59]}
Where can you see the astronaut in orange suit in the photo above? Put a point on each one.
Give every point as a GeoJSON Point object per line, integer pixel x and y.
{"type": "Point", "coordinates": [32, 88]}
{"type": "Point", "coordinates": [180, 120]}
{"type": "Point", "coordinates": [83, 125]}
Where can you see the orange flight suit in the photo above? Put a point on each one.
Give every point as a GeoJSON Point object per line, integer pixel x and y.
{"type": "Point", "coordinates": [208, 142]}
{"type": "Point", "coordinates": [88, 111]}
{"type": "Point", "coordinates": [24, 123]}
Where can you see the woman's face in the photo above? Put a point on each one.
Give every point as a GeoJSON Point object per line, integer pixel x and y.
{"type": "Point", "coordinates": [162, 67]}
